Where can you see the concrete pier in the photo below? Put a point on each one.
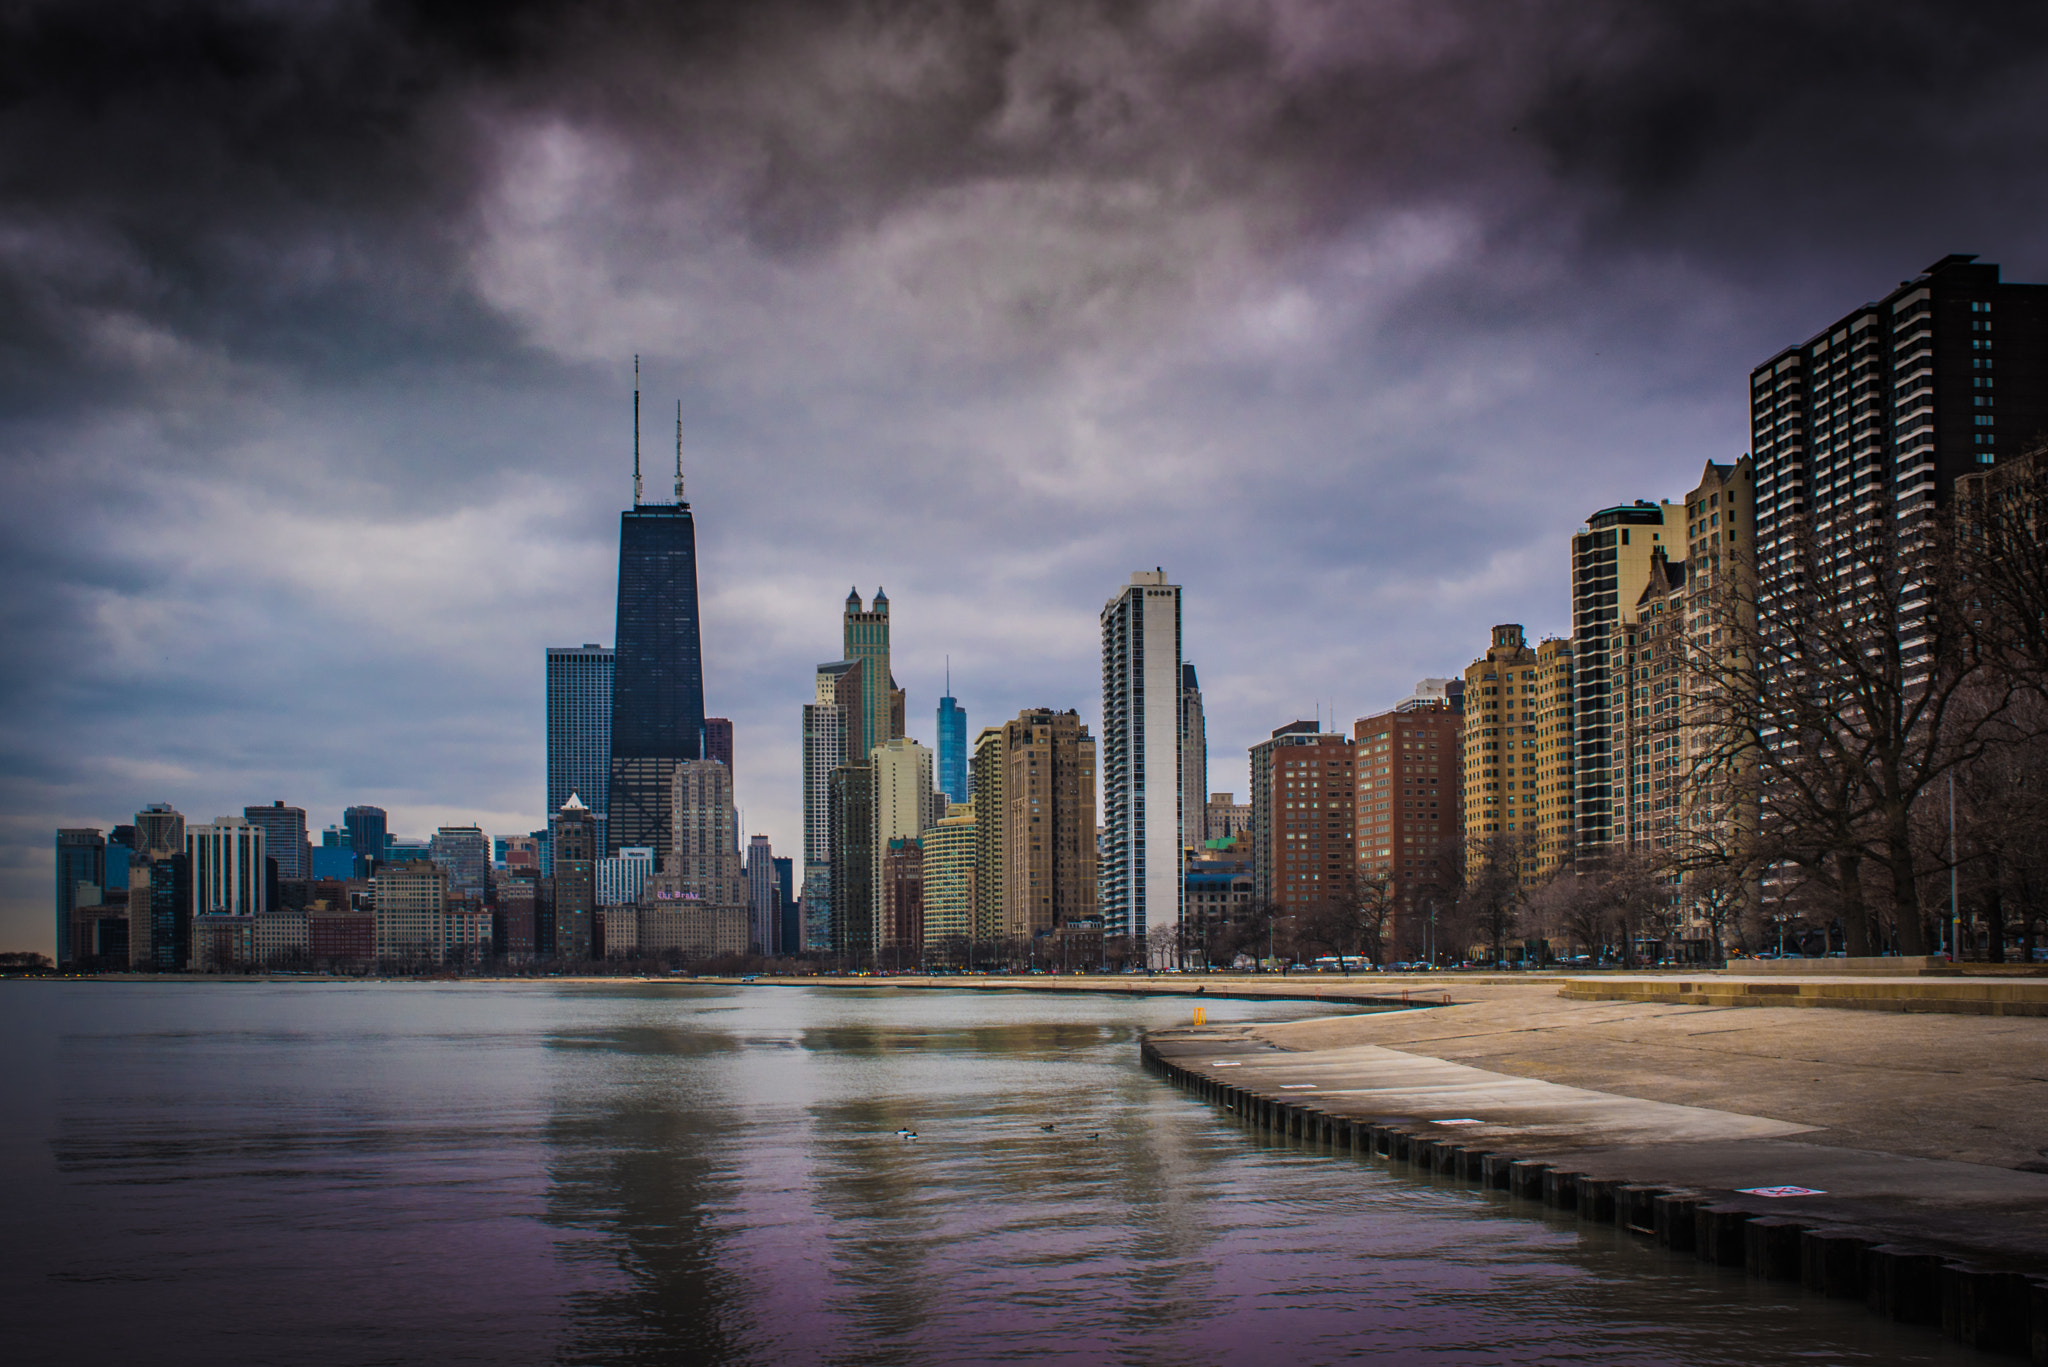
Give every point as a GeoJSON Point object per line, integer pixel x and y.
{"type": "Point", "coordinates": [1699, 1108]}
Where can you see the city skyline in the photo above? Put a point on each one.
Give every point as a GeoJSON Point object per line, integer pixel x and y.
{"type": "Point", "coordinates": [278, 532]}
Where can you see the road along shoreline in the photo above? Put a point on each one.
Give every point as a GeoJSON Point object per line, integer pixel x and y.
{"type": "Point", "coordinates": [1962, 1246]}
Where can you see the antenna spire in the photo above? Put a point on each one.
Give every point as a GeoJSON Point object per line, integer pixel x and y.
{"type": "Point", "coordinates": [949, 676]}
{"type": "Point", "coordinates": [636, 430]}
{"type": "Point", "coordinates": [679, 452]}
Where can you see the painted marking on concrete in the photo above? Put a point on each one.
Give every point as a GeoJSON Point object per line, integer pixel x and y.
{"type": "Point", "coordinates": [1224, 1063]}
{"type": "Point", "coordinates": [1297, 1086]}
{"type": "Point", "coordinates": [1780, 1191]}
{"type": "Point", "coordinates": [1460, 1121]}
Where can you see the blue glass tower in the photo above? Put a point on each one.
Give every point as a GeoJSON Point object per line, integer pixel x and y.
{"type": "Point", "coordinates": [658, 664]}
{"type": "Point", "coordinates": [952, 745]}
{"type": "Point", "coordinates": [579, 729]}
{"type": "Point", "coordinates": [366, 836]}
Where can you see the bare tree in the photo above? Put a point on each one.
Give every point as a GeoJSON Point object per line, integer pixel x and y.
{"type": "Point", "coordinates": [1251, 934]}
{"type": "Point", "coordinates": [2000, 842]}
{"type": "Point", "coordinates": [1849, 691]}
{"type": "Point", "coordinates": [1569, 909]}
{"type": "Point", "coordinates": [1356, 927]}
{"type": "Point", "coordinates": [2001, 537]}
{"type": "Point", "coordinates": [1617, 899]}
{"type": "Point", "coordinates": [1493, 891]}
{"type": "Point", "coordinates": [1373, 916]}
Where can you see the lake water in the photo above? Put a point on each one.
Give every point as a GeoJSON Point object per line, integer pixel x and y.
{"type": "Point", "coordinates": [653, 1173]}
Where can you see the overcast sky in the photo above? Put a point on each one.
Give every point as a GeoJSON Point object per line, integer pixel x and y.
{"type": "Point", "coordinates": [317, 323]}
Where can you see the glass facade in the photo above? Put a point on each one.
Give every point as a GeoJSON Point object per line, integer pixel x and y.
{"type": "Point", "coordinates": [366, 835]}
{"type": "Point", "coordinates": [658, 673]}
{"type": "Point", "coordinates": [952, 749]}
{"type": "Point", "coordinates": [579, 728]}
{"type": "Point", "coordinates": [81, 858]}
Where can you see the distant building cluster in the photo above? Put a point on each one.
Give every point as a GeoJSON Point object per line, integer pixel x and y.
{"type": "Point", "coordinates": [165, 894]}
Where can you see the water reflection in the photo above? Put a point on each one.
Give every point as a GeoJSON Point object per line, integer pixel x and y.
{"type": "Point", "coordinates": [662, 1173]}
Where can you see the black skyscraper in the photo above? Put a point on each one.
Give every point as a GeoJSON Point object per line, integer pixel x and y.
{"type": "Point", "coordinates": [658, 670]}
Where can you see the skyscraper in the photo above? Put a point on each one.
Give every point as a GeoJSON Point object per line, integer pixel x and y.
{"type": "Point", "coordinates": [159, 830]}
{"type": "Point", "coordinates": [903, 789]}
{"type": "Point", "coordinates": [948, 868]}
{"type": "Point", "coordinates": [81, 858]}
{"type": "Point", "coordinates": [1648, 667]}
{"type": "Point", "coordinates": [621, 876]}
{"type": "Point", "coordinates": [1410, 812]}
{"type": "Point", "coordinates": [1520, 774]}
{"type": "Point", "coordinates": [836, 700]}
{"type": "Point", "coordinates": [785, 886]}
{"type": "Point", "coordinates": [465, 852]}
{"type": "Point", "coordinates": [1882, 411]}
{"type": "Point", "coordinates": [1194, 758]}
{"type": "Point", "coordinates": [366, 836]}
{"type": "Point", "coordinates": [412, 914]}
{"type": "Point", "coordinates": [170, 911]}
{"type": "Point", "coordinates": [952, 745]}
{"type": "Point", "coordinates": [284, 837]}
{"type": "Point", "coordinates": [567, 919]}
{"type": "Point", "coordinates": [900, 895]}
{"type": "Point", "coordinates": [852, 823]}
{"type": "Point", "coordinates": [1610, 566]}
{"type": "Point", "coordinates": [227, 867]}
{"type": "Point", "coordinates": [866, 633]}
{"type": "Point", "coordinates": [705, 843]}
{"type": "Point", "coordinates": [1047, 823]}
{"type": "Point", "coordinates": [764, 898]}
{"type": "Point", "coordinates": [580, 729]}
{"type": "Point", "coordinates": [718, 740]}
{"type": "Point", "coordinates": [1304, 819]}
{"type": "Point", "coordinates": [658, 670]}
{"type": "Point", "coordinates": [988, 764]}
{"type": "Point", "coordinates": [1142, 888]}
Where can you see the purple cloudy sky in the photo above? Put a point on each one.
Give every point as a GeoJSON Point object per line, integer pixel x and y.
{"type": "Point", "coordinates": [317, 324]}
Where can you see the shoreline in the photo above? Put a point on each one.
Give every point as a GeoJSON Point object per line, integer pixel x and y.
{"type": "Point", "coordinates": [1917, 1139]}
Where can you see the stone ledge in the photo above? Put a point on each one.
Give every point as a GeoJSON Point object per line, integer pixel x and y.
{"type": "Point", "coordinates": [1956, 996]}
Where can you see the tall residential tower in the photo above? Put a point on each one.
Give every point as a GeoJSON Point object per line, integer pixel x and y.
{"type": "Point", "coordinates": [1610, 566]}
{"type": "Point", "coordinates": [1141, 883]}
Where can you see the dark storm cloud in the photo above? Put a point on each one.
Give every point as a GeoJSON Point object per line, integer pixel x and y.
{"type": "Point", "coordinates": [298, 182]}
{"type": "Point", "coordinates": [315, 322]}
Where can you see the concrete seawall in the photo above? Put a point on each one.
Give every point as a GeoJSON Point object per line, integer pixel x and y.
{"type": "Point", "coordinates": [1920, 1240]}
{"type": "Point", "coordinates": [1910, 989]}
{"type": "Point", "coordinates": [1965, 996]}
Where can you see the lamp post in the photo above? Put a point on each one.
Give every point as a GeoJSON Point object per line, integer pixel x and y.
{"type": "Point", "coordinates": [1955, 914]}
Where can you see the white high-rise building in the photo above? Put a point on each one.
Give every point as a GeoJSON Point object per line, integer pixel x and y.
{"type": "Point", "coordinates": [228, 876]}
{"type": "Point", "coordinates": [621, 876]}
{"type": "Point", "coordinates": [1141, 888]}
{"type": "Point", "coordinates": [903, 792]}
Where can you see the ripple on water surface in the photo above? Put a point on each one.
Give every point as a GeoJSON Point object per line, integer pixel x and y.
{"type": "Point", "coordinates": [326, 1173]}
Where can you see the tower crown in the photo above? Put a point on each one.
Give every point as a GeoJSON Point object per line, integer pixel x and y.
{"type": "Point", "coordinates": [853, 599]}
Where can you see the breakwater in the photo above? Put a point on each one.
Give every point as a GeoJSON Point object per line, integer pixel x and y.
{"type": "Point", "coordinates": [1998, 1304]}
